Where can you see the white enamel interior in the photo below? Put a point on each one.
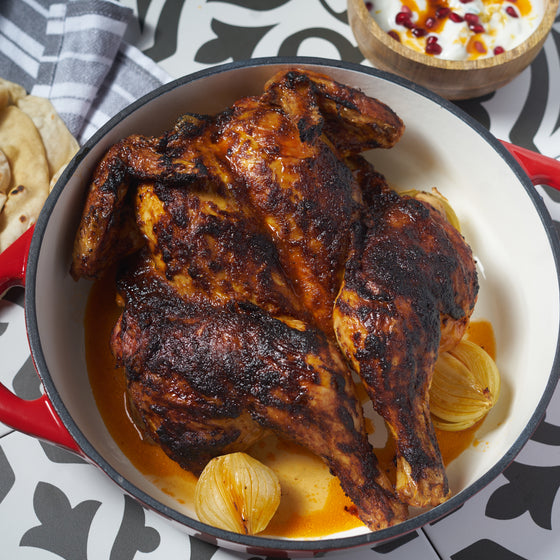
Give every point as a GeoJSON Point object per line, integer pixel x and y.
{"type": "Point", "coordinates": [519, 285]}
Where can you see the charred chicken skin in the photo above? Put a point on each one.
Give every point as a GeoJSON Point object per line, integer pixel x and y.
{"type": "Point", "coordinates": [409, 277]}
{"type": "Point", "coordinates": [208, 378]}
{"type": "Point", "coordinates": [279, 157]}
{"type": "Point", "coordinates": [256, 253]}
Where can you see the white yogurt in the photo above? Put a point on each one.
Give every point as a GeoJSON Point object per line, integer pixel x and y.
{"type": "Point", "coordinates": [491, 27]}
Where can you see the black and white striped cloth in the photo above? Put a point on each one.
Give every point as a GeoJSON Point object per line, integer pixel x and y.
{"type": "Point", "coordinates": [73, 53]}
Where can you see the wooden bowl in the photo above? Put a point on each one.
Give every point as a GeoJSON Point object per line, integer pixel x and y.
{"type": "Point", "coordinates": [452, 79]}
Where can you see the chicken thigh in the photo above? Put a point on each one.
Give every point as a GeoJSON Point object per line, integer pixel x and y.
{"type": "Point", "coordinates": [208, 378]}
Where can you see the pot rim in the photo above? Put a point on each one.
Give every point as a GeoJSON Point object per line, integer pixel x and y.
{"type": "Point", "coordinates": [269, 543]}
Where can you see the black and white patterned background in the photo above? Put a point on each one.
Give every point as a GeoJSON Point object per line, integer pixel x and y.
{"type": "Point", "coordinates": [54, 505]}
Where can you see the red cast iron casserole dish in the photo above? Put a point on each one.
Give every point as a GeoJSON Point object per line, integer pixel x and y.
{"type": "Point", "coordinates": [502, 216]}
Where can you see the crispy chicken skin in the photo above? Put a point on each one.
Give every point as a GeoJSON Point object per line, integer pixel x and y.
{"type": "Point", "coordinates": [408, 271]}
{"type": "Point", "coordinates": [211, 250]}
{"type": "Point", "coordinates": [261, 261]}
{"type": "Point", "coordinates": [210, 378]}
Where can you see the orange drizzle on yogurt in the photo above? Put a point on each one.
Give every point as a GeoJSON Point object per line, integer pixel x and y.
{"type": "Point", "coordinates": [457, 29]}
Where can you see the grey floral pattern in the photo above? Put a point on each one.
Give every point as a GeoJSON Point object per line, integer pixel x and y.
{"type": "Point", "coordinates": [7, 476]}
{"type": "Point", "coordinates": [57, 517]}
{"type": "Point", "coordinates": [134, 536]}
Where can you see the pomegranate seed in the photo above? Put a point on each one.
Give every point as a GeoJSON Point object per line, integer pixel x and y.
{"type": "Point", "coordinates": [476, 28]}
{"type": "Point", "coordinates": [419, 32]}
{"type": "Point", "coordinates": [431, 40]}
{"type": "Point", "coordinates": [456, 18]}
{"type": "Point", "coordinates": [465, 1]}
{"type": "Point", "coordinates": [442, 12]}
{"type": "Point", "coordinates": [406, 10]}
{"type": "Point", "coordinates": [369, 6]}
{"type": "Point", "coordinates": [510, 11]}
{"type": "Point", "coordinates": [395, 35]}
{"type": "Point", "coordinates": [479, 46]}
{"type": "Point", "coordinates": [400, 18]}
{"type": "Point", "coordinates": [430, 22]}
{"type": "Point", "coordinates": [433, 48]}
{"type": "Point", "coordinates": [499, 50]}
{"type": "Point", "coordinates": [403, 19]}
{"type": "Point", "coordinates": [471, 18]}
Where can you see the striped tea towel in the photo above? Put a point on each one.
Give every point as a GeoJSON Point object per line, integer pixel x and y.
{"type": "Point", "coordinates": [74, 54]}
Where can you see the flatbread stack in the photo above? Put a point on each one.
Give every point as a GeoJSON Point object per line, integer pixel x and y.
{"type": "Point", "coordinates": [35, 147]}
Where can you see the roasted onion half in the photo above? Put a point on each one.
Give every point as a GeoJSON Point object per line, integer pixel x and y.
{"type": "Point", "coordinates": [238, 493]}
{"type": "Point", "coordinates": [465, 386]}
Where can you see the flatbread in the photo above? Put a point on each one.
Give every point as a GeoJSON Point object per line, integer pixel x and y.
{"type": "Point", "coordinates": [56, 177]}
{"type": "Point", "coordinates": [60, 145]}
{"type": "Point", "coordinates": [5, 178]}
{"type": "Point", "coordinates": [35, 147]}
{"type": "Point", "coordinates": [22, 145]}
{"type": "Point", "coordinates": [10, 93]}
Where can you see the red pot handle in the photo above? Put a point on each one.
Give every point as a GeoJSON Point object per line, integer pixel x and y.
{"type": "Point", "coordinates": [13, 261]}
{"type": "Point", "coordinates": [36, 417]}
{"type": "Point", "coordinates": [541, 170]}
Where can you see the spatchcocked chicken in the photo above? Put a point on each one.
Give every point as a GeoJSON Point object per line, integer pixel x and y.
{"type": "Point", "coordinates": [263, 263]}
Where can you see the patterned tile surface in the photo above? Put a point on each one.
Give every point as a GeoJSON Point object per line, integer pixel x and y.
{"type": "Point", "coordinates": [53, 505]}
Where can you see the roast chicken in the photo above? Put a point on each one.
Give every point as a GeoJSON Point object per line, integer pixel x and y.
{"type": "Point", "coordinates": [263, 266]}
